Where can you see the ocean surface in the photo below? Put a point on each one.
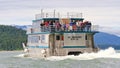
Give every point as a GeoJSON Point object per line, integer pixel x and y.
{"type": "Point", "coordinates": [108, 58]}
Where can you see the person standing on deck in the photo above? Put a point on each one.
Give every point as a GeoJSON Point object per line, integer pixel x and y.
{"type": "Point", "coordinates": [42, 26]}
{"type": "Point", "coordinates": [57, 26]}
{"type": "Point", "coordinates": [74, 26]}
{"type": "Point", "coordinates": [82, 26]}
{"type": "Point", "coordinates": [89, 26]}
{"type": "Point", "coordinates": [86, 25]}
{"type": "Point", "coordinates": [67, 26]}
{"type": "Point", "coordinates": [51, 26]}
{"type": "Point", "coordinates": [78, 25]}
{"type": "Point", "coordinates": [71, 24]}
{"type": "Point", "coordinates": [64, 26]}
{"type": "Point", "coordinates": [46, 25]}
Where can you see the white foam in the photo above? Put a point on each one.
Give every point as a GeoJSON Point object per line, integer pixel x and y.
{"type": "Point", "coordinates": [107, 53]}
{"type": "Point", "coordinates": [20, 55]}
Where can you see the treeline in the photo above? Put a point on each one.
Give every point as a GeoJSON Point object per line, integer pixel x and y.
{"type": "Point", "coordinates": [11, 38]}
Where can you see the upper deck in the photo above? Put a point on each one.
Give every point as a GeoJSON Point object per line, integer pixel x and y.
{"type": "Point", "coordinates": [53, 29]}
{"type": "Point", "coordinates": [61, 23]}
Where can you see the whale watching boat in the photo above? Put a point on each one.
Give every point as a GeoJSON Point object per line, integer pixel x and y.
{"type": "Point", "coordinates": [54, 34]}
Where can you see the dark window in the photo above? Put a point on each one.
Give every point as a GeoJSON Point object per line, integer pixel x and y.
{"type": "Point", "coordinates": [85, 37]}
{"type": "Point", "coordinates": [62, 37]}
{"type": "Point", "coordinates": [39, 37]}
{"type": "Point", "coordinates": [57, 37]}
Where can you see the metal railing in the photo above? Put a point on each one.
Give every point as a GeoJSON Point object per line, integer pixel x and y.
{"type": "Point", "coordinates": [53, 28]}
{"type": "Point", "coordinates": [58, 15]}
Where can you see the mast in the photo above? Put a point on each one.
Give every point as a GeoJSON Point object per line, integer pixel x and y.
{"type": "Point", "coordinates": [68, 14]}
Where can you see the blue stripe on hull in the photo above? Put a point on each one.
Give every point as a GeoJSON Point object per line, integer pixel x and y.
{"type": "Point", "coordinates": [62, 47]}
{"type": "Point", "coordinates": [74, 46]}
{"type": "Point", "coordinates": [38, 46]}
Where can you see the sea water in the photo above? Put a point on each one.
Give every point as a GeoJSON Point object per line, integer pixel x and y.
{"type": "Point", "coordinates": [108, 58]}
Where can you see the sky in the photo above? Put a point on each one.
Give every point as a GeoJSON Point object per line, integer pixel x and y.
{"type": "Point", "coordinates": [22, 12]}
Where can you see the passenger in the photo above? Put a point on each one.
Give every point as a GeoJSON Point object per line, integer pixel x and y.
{"type": "Point", "coordinates": [74, 26]}
{"type": "Point", "coordinates": [60, 27]}
{"type": "Point", "coordinates": [42, 27]}
{"type": "Point", "coordinates": [86, 25]}
{"type": "Point", "coordinates": [54, 24]}
{"type": "Point", "coordinates": [57, 25]}
{"type": "Point", "coordinates": [89, 26]}
{"type": "Point", "coordinates": [64, 27]}
{"type": "Point", "coordinates": [51, 23]}
{"type": "Point", "coordinates": [51, 26]}
{"type": "Point", "coordinates": [71, 24]}
{"type": "Point", "coordinates": [82, 26]}
{"type": "Point", "coordinates": [67, 27]}
{"type": "Point", "coordinates": [46, 25]}
{"type": "Point", "coordinates": [78, 25]}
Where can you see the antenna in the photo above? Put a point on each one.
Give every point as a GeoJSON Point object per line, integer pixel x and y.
{"type": "Point", "coordinates": [81, 15]}
{"type": "Point", "coordinates": [41, 13]}
{"type": "Point", "coordinates": [54, 13]}
{"type": "Point", "coordinates": [68, 14]}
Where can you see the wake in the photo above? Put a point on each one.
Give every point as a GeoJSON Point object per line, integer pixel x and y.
{"type": "Point", "coordinates": [107, 53]}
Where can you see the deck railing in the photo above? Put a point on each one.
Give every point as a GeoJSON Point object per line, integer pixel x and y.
{"type": "Point", "coordinates": [56, 29]}
{"type": "Point", "coordinates": [58, 15]}
{"type": "Point", "coordinates": [53, 28]}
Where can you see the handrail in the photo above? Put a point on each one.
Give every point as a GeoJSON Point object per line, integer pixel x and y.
{"type": "Point", "coordinates": [53, 28]}
{"type": "Point", "coordinates": [58, 15]}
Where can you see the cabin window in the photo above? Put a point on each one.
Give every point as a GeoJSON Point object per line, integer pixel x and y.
{"type": "Point", "coordinates": [57, 37]}
{"type": "Point", "coordinates": [85, 37]}
{"type": "Point", "coordinates": [33, 39]}
{"type": "Point", "coordinates": [62, 37]}
{"type": "Point", "coordinates": [39, 37]}
{"type": "Point", "coordinates": [29, 39]}
{"type": "Point", "coordinates": [42, 37]}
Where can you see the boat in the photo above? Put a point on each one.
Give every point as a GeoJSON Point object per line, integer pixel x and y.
{"type": "Point", "coordinates": [53, 34]}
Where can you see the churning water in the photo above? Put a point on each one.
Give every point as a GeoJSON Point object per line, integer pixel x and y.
{"type": "Point", "coordinates": [107, 58]}
{"type": "Point", "coordinates": [107, 53]}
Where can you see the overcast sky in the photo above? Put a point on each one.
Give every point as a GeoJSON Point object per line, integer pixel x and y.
{"type": "Point", "coordinates": [21, 12]}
